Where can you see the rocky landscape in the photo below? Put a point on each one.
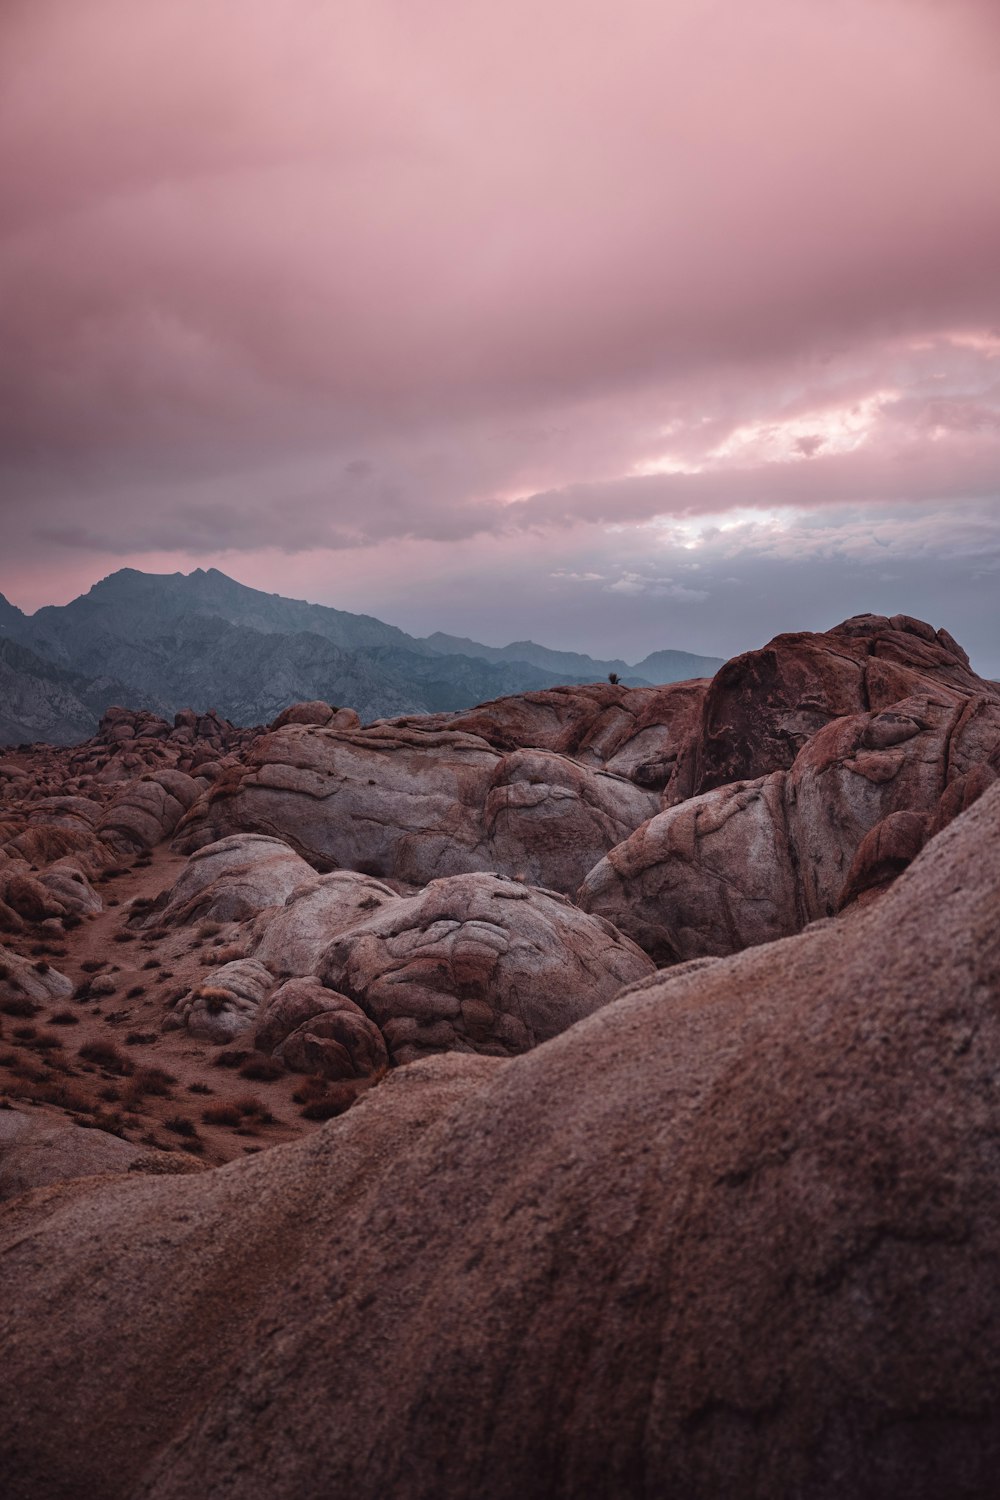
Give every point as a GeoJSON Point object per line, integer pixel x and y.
{"type": "Point", "coordinates": [161, 641]}
{"type": "Point", "coordinates": [592, 1092]}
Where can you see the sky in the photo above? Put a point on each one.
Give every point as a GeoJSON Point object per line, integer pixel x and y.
{"type": "Point", "coordinates": [616, 324]}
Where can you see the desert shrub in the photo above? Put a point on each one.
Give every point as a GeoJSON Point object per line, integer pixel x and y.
{"type": "Point", "coordinates": [64, 1018]}
{"type": "Point", "coordinates": [181, 1125]}
{"type": "Point", "coordinates": [104, 985]}
{"type": "Point", "coordinates": [45, 1042]}
{"type": "Point", "coordinates": [41, 967]}
{"type": "Point", "coordinates": [261, 1069]}
{"type": "Point", "coordinates": [199, 1088]}
{"type": "Point", "coordinates": [152, 963]}
{"type": "Point", "coordinates": [135, 992]}
{"type": "Point", "coordinates": [153, 1081]}
{"type": "Point", "coordinates": [230, 1057]}
{"type": "Point", "coordinates": [215, 999]}
{"type": "Point", "coordinates": [252, 1108]}
{"type": "Point", "coordinates": [92, 965]}
{"type": "Point", "coordinates": [25, 1033]}
{"type": "Point", "coordinates": [208, 929]}
{"type": "Point", "coordinates": [106, 1055]}
{"type": "Point", "coordinates": [140, 1038]}
{"type": "Point", "coordinates": [124, 937]}
{"type": "Point", "coordinates": [19, 1006]}
{"type": "Point", "coordinates": [222, 1114]}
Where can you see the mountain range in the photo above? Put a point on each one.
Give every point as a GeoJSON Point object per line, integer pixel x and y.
{"type": "Point", "coordinates": [166, 641]}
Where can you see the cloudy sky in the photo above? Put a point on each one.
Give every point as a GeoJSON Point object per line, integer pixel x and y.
{"type": "Point", "coordinates": [620, 324]}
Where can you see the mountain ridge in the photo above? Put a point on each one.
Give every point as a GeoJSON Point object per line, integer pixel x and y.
{"type": "Point", "coordinates": [167, 640]}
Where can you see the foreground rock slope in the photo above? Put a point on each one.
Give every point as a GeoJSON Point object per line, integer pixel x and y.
{"type": "Point", "coordinates": [724, 1229]}
{"type": "Point", "coordinates": [545, 1276]}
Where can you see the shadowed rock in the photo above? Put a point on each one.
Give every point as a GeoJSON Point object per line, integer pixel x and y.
{"type": "Point", "coordinates": [736, 1234]}
{"type": "Point", "coordinates": [416, 805]}
{"type": "Point", "coordinates": [477, 963]}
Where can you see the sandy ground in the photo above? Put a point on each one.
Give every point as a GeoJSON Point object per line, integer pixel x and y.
{"type": "Point", "coordinates": [133, 977]}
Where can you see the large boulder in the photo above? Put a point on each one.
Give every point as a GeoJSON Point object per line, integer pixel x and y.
{"type": "Point", "coordinates": [224, 1006]}
{"type": "Point", "coordinates": [754, 861]}
{"type": "Point", "coordinates": [633, 732]}
{"type": "Point", "coordinates": [37, 1150]}
{"type": "Point", "coordinates": [478, 963]}
{"type": "Point", "coordinates": [735, 1234]}
{"type": "Point", "coordinates": [233, 880]}
{"type": "Point", "coordinates": [762, 707]}
{"type": "Point", "coordinates": [314, 1030]}
{"type": "Point", "coordinates": [414, 805]}
{"type": "Point", "coordinates": [292, 940]}
{"type": "Point", "coordinates": [147, 810]}
{"type": "Point", "coordinates": [36, 982]}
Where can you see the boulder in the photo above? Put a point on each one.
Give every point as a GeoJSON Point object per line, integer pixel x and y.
{"type": "Point", "coordinates": [233, 880]}
{"type": "Point", "coordinates": [754, 861]}
{"type": "Point", "coordinates": [414, 805]}
{"type": "Point", "coordinates": [25, 979]}
{"type": "Point", "coordinates": [224, 1005]}
{"type": "Point", "coordinates": [479, 963]}
{"type": "Point", "coordinates": [37, 1150]}
{"type": "Point", "coordinates": [734, 1234]}
{"type": "Point", "coordinates": [314, 1030]}
{"type": "Point", "coordinates": [762, 707]}
{"type": "Point", "coordinates": [292, 940]}
{"type": "Point", "coordinates": [147, 810]}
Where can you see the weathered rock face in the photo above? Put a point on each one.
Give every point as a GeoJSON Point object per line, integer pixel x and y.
{"type": "Point", "coordinates": [735, 1234]}
{"type": "Point", "coordinates": [315, 1030]}
{"type": "Point", "coordinates": [761, 708]}
{"type": "Point", "coordinates": [754, 861]}
{"type": "Point", "coordinates": [293, 940]}
{"type": "Point", "coordinates": [477, 963]}
{"type": "Point", "coordinates": [633, 732]}
{"type": "Point", "coordinates": [225, 1005]}
{"type": "Point", "coordinates": [22, 980]}
{"type": "Point", "coordinates": [417, 805]}
{"type": "Point", "coordinates": [39, 1149]}
{"type": "Point", "coordinates": [148, 810]}
{"type": "Point", "coordinates": [233, 880]}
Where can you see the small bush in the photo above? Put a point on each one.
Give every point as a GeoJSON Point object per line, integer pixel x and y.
{"type": "Point", "coordinates": [209, 929]}
{"type": "Point", "coordinates": [181, 1125]}
{"type": "Point", "coordinates": [230, 1057]}
{"type": "Point", "coordinates": [261, 1069]}
{"type": "Point", "coordinates": [140, 1038]}
{"type": "Point", "coordinates": [135, 992]}
{"type": "Point", "coordinates": [64, 1018]}
{"type": "Point", "coordinates": [252, 1108]}
{"type": "Point", "coordinates": [25, 1033]}
{"type": "Point", "coordinates": [41, 967]}
{"type": "Point", "coordinates": [199, 1088]}
{"type": "Point", "coordinates": [222, 1114]}
{"type": "Point", "coordinates": [16, 1006]}
{"type": "Point", "coordinates": [106, 1055]}
{"type": "Point", "coordinates": [93, 965]}
{"type": "Point", "coordinates": [124, 937]}
{"type": "Point", "coordinates": [152, 963]}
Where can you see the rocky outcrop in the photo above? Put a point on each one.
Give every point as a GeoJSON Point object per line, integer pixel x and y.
{"type": "Point", "coordinates": [292, 940]}
{"type": "Point", "coordinates": [37, 982]}
{"type": "Point", "coordinates": [148, 810]}
{"type": "Point", "coordinates": [224, 1006]}
{"type": "Point", "coordinates": [754, 861]}
{"type": "Point", "coordinates": [734, 1234]}
{"type": "Point", "coordinates": [633, 732]}
{"type": "Point", "coordinates": [38, 1150]}
{"type": "Point", "coordinates": [762, 707]}
{"type": "Point", "coordinates": [415, 805]}
{"type": "Point", "coordinates": [481, 964]}
{"type": "Point", "coordinates": [314, 1030]}
{"type": "Point", "coordinates": [232, 881]}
